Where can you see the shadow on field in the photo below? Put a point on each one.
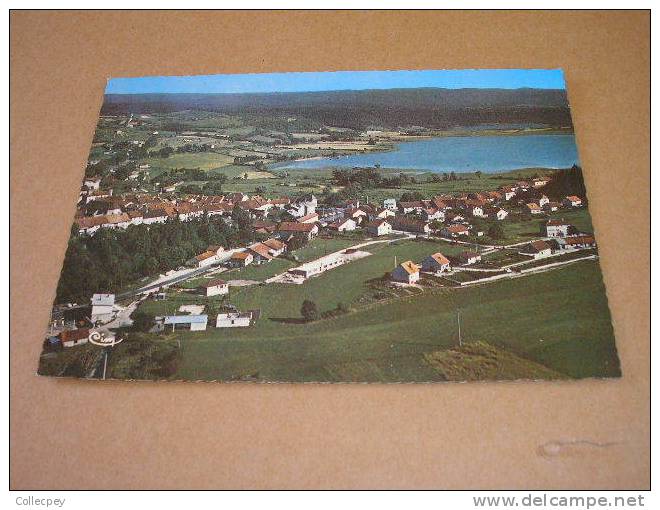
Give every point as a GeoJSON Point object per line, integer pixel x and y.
{"type": "Point", "coordinates": [288, 320]}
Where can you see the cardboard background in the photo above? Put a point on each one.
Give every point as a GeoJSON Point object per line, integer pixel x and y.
{"type": "Point", "coordinates": [79, 434]}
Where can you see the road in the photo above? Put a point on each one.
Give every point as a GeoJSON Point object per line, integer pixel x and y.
{"type": "Point", "coordinates": [179, 276]}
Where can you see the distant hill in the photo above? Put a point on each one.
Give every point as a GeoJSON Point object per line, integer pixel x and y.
{"type": "Point", "coordinates": [480, 361]}
{"type": "Point", "coordinates": [426, 107]}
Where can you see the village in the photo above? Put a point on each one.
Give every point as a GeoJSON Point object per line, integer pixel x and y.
{"type": "Point", "coordinates": [462, 253]}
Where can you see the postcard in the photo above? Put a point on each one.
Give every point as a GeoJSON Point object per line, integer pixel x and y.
{"type": "Point", "coordinates": [373, 226]}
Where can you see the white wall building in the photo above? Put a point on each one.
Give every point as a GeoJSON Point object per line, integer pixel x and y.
{"type": "Point", "coordinates": [103, 306]}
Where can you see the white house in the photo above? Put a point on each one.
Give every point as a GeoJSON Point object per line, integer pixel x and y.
{"type": "Point", "coordinates": [543, 200]}
{"type": "Point", "coordinates": [435, 263]}
{"type": "Point", "coordinates": [534, 208]}
{"type": "Point", "coordinates": [241, 259]}
{"type": "Point", "coordinates": [73, 337]}
{"type": "Point", "coordinates": [469, 257]}
{"type": "Point", "coordinates": [406, 272]}
{"type": "Point", "coordinates": [302, 206]}
{"type": "Point", "coordinates": [345, 224]}
{"type": "Point", "coordinates": [233, 320]}
{"type": "Point", "coordinates": [287, 228]}
{"type": "Point", "coordinates": [389, 203]}
{"type": "Point", "coordinates": [556, 228]}
{"type": "Point", "coordinates": [204, 259]}
{"type": "Point", "coordinates": [215, 288]}
{"type": "Point", "coordinates": [537, 249]}
{"type": "Point", "coordinates": [189, 322]}
{"type": "Point", "coordinates": [309, 218]}
{"type": "Point", "coordinates": [276, 246]}
{"type": "Point", "coordinates": [379, 227]}
{"type": "Point", "coordinates": [103, 306]}
{"type": "Point", "coordinates": [432, 213]}
{"type": "Point", "coordinates": [92, 182]}
{"type": "Point", "coordinates": [572, 201]}
{"type": "Point", "coordinates": [455, 231]}
{"type": "Point", "coordinates": [496, 213]}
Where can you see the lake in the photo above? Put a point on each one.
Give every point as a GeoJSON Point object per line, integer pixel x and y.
{"type": "Point", "coordinates": [461, 154]}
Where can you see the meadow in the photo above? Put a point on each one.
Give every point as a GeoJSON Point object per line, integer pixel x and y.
{"type": "Point", "coordinates": [558, 319]}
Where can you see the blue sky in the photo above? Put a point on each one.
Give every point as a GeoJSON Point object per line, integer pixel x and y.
{"type": "Point", "coordinates": [340, 80]}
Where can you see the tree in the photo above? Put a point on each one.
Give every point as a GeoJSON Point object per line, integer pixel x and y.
{"type": "Point", "coordinates": [298, 241]}
{"type": "Point", "coordinates": [309, 311]}
{"type": "Point", "coordinates": [478, 174]}
{"type": "Point", "coordinates": [495, 231]}
{"type": "Point", "coordinates": [142, 321]}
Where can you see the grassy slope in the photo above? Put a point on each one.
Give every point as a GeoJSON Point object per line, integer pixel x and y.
{"type": "Point", "coordinates": [480, 361]}
{"type": "Point", "coordinates": [559, 318]}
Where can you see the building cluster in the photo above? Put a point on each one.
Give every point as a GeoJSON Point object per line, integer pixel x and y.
{"type": "Point", "coordinates": [199, 322]}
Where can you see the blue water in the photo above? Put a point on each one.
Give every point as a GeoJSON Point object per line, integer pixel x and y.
{"type": "Point", "coordinates": [462, 154]}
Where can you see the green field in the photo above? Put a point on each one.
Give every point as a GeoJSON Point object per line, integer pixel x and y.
{"type": "Point", "coordinates": [557, 318]}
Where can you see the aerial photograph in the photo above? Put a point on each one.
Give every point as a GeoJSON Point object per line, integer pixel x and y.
{"type": "Point", "coordinates": [353, 226]}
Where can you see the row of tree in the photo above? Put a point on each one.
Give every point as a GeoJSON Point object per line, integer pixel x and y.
{"type": "Point", "coordinates": [110, 260]}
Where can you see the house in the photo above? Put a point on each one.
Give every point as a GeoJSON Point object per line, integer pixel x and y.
{"type": "Point", "coordinates": [469, 257]}
{"type": "Point", "coordinates": [408, 207]}
{"type": "Point", "coordinates": [382, 214]}
{"type": "Point", "coordinates": [321, 264]}
{"type": "Point", "coordinates": [156, 215]}
{"type": "Point", "coordinates": [89, 224]}
{"type": "Point", "coordinates": [406, 272]}
{"type": "Point", "coordinates": [572, 201]}
{"type": "Point", "coordinates": [390, 204]}
{"type": "Point", "coordinates": [264, 227]}
{"type": "Point", "coordinates": [214, 288]}
{"type": "Point", "coordinates": [431, 214]}
{"type": "Point", "coordinates": [92, 183]}
{"type": "Point", "coordinates": [455, 231]}
{"type": "Point", "coordinates": [217, 249]}
{"type": "Point", "coordinates": [539, 182]}
{"type": "Point", "coordinates": [186, 322]}
{"type": "Point", "coordinates": [495, 213]}
{"type": "Point", "coordinates": [508, 192]}
{"type": "Point", "coordinates": [543, 200]}
{"type": "Point", "coordinates": [557, 228]}
{"type": "Point", "coordinates": [454, 217]}
{"type": "Point", "coordinates": [276, 246]}
{"type": "Point", "coordinates": [537, 249]}
{"type": "Point", "coordinates": [309, 218]}
{"type": "Point", "coordinates": [234, 319]}
{"type": "Point", "coordinates": [356, 214]}
{"type": "Point", "coordinates": [302, 206]}
{"type": "Point", "coordinates": [409, 225]}
{"type": "Point", "coordinates": [103, 307]}
{"type": "Point", "coordinates": [343, 225]}
{"type": "Point", "coordinates": [579, 241]}
{"type": "Point", "coordinates": [379, 227]}
{"type": "Point", "coordinates": [287, 228]}
{"type": "Point", "coordinates": [439, 203]}
{"type": "Point", "coordinates": [552, 206]}
{"type": "Point", "coordinates": [237, 197]}
{"type": "Point", "coordinates": [435, 263]}
{"type": "Point", "coordinates": [476, 210]}
{"type": "Point", "coordinates": [260, 253]}
{"type": "Point", "coordinates": [533, 208]}
{"type": "Point", "coordinates": [241, 259]}
{"type": "Point", "coordinates": [204, 259]}
{"type": "Point", "coordinates": [73, 337]}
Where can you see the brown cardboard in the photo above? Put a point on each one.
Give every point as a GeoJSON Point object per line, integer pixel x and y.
{"type": "Point", "coordinates": [84, 435]}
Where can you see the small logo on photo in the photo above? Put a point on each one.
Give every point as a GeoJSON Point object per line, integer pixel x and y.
{"type": "Point", "coordinates": [102, 338]}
